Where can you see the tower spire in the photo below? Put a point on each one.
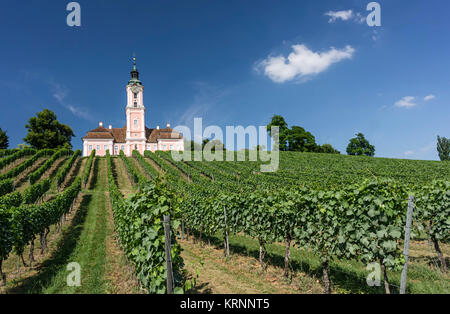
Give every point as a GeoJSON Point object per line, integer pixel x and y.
{"type": "Point", "coordinates": [134, 74]}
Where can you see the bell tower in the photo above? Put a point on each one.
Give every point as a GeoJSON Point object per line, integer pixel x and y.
{"type": "Point", "coordinates": [135, 112]}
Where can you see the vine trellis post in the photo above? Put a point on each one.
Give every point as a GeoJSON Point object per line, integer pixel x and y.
{"type": "Point", "coordinates": [227, 244]}
{"type": "Point", "coordinates": [406, 246]}
{"type": "Point", "coordinates": [168, 254]}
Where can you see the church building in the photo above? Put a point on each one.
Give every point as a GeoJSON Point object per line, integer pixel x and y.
{"type": "Point", "coordinates": [134, 135]}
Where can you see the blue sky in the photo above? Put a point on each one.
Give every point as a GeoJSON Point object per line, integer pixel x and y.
{"type": "Point", "coordinates": [235, 63]}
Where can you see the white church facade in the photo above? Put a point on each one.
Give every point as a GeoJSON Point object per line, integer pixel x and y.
{"type": "Point", "coordinates": [134, 135]}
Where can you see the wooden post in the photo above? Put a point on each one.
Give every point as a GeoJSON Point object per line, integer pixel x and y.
{"type": "Point", "coordinates": [227, 246]}
{"type": "Point", "coordinates": [406, 246]}
{"type": "Point", "coordinates": [168, 255]}
{"type": "Point", "coordinates": [182, 229]}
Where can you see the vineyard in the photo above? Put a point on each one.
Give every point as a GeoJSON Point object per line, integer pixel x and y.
{"type": "Point", "coordinates": [316, 223]}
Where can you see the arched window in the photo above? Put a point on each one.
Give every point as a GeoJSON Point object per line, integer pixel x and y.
{"type": "Point", "coordinates": [135, 122]}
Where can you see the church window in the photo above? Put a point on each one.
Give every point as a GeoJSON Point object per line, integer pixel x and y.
{"type": "Point", "coordinates": [116, 148]}
{"type": "Point", "coordinates": [164, 146]}
{"type": "Point", "coordinates": [98, 147]}
{"type": "Point", "coordinates": [135, 95]}
{"type": "Point", "coordinates": [155, 147]}
{"type": "Point", "coordinates": [105, 147]}
{"type": "Point", "coordinates": [135, 104]}
{"type": "Point", "coordinates": [135, 122]}
{"type": "Point", "coordinates": [171, 146]}
{"type": "Point", "coordinates": [90, 147]}
{"type": "Point", "coordinates": [122, 147]}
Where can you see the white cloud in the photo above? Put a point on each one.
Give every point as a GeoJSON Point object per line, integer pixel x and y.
{"type": "Point", "coordinates": [359, 18]}
{"type": "Point", "coordinates": [345, 15]}
{"type": "Point", "coordinates": [302, 63]}
{"type": "Point", "coordinates": [429, 97]}
{"type": "Point", "coordinates": [406, 102]}
{"type": "Point", "coordinates": [408, 153]}
{"type": "Point", "coordinates": [79, 112]}
{"type": "Point", "coordinates": [60, 93]}
{"type": "Point", "coordinates": [375, 35]}
{"type": "Point", "coordinates": [206, 97]}
{"type": "Point", "coordinates": [335, 15]}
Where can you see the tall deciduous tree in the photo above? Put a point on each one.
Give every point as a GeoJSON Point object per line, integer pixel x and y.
{"type": "Point", "coordinates": [279, 121]}
{"type": "Point", "coordinates": [45, 131]}
{"type": "Point", "coordinates": [4, 142]}
{"type": "Point", "coordinates": [359, 145]}
{"type": "Point", "coordinates": [443, 148]}
{"type": "Point", "coordinates": [297, 138]}
{"type": "Point", "coordinates": [300, 140]}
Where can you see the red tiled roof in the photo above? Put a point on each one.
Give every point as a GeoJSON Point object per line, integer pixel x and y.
{"type": "Point", "coordinates": [167, 133]}
{"type": "Point", "coordinates": [119, 134]}
{"type": "Point", "coordinates": [99, 133]}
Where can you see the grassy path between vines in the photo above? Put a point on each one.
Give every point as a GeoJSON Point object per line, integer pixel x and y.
{"type": "Point", "coordinates": [239, 274]}
{"type": "Point", "coordinates": [90, 240]}
{"type": "Point", "coordinates": [121, 177]}
{"type": "Point", "coordinates": [90, 249]}
{"type": "Point", "coordinates": [103, 266]}
{"type": "Point", "coordinates": [242, 272]}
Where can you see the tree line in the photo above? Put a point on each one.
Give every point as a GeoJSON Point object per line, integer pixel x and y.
{"type": "Point", "coordinates": [298, 139]}
{"type": "Point", "coordinates": [44, 131]}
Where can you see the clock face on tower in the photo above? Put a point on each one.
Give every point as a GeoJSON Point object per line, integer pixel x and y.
{"type": "Point", "coordinates": [135, 89]}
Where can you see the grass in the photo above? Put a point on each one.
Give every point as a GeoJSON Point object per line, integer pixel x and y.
{"type": "Point", "coordinates": [88, 239]}
{"type": "Point", "coordinates": [346, 276]}
{"type": "Point", "coordinates": [120, 176]}
{"type": "Point", "coordinates": [238, 274]}
{"type": "Point", "coordinates": [90, 250]}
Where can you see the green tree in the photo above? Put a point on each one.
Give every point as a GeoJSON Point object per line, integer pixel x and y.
{"type": "Point", "coordinates": [23, 146]}
{"type": "Point", "coordinates": [191, 146]}
{"type": "Point", "coordinates": [300, 140]}
{"type": "Point", "coordinates": [279, 121]}
{"type": "Point", "coordinates": [4, 141]}
{"type": "Point", "coordinates": [44, 131]}
{"type": "Point", "coordinates": [359, 145]}
{"type": "Point", "coordinates": [204, 142]}
{"type": "Point", "coordinates": [443, 148]}
{"type": "Point", "coordinates": [327, 149]}
{"type": "Point", "coordinates": [213, 145]}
